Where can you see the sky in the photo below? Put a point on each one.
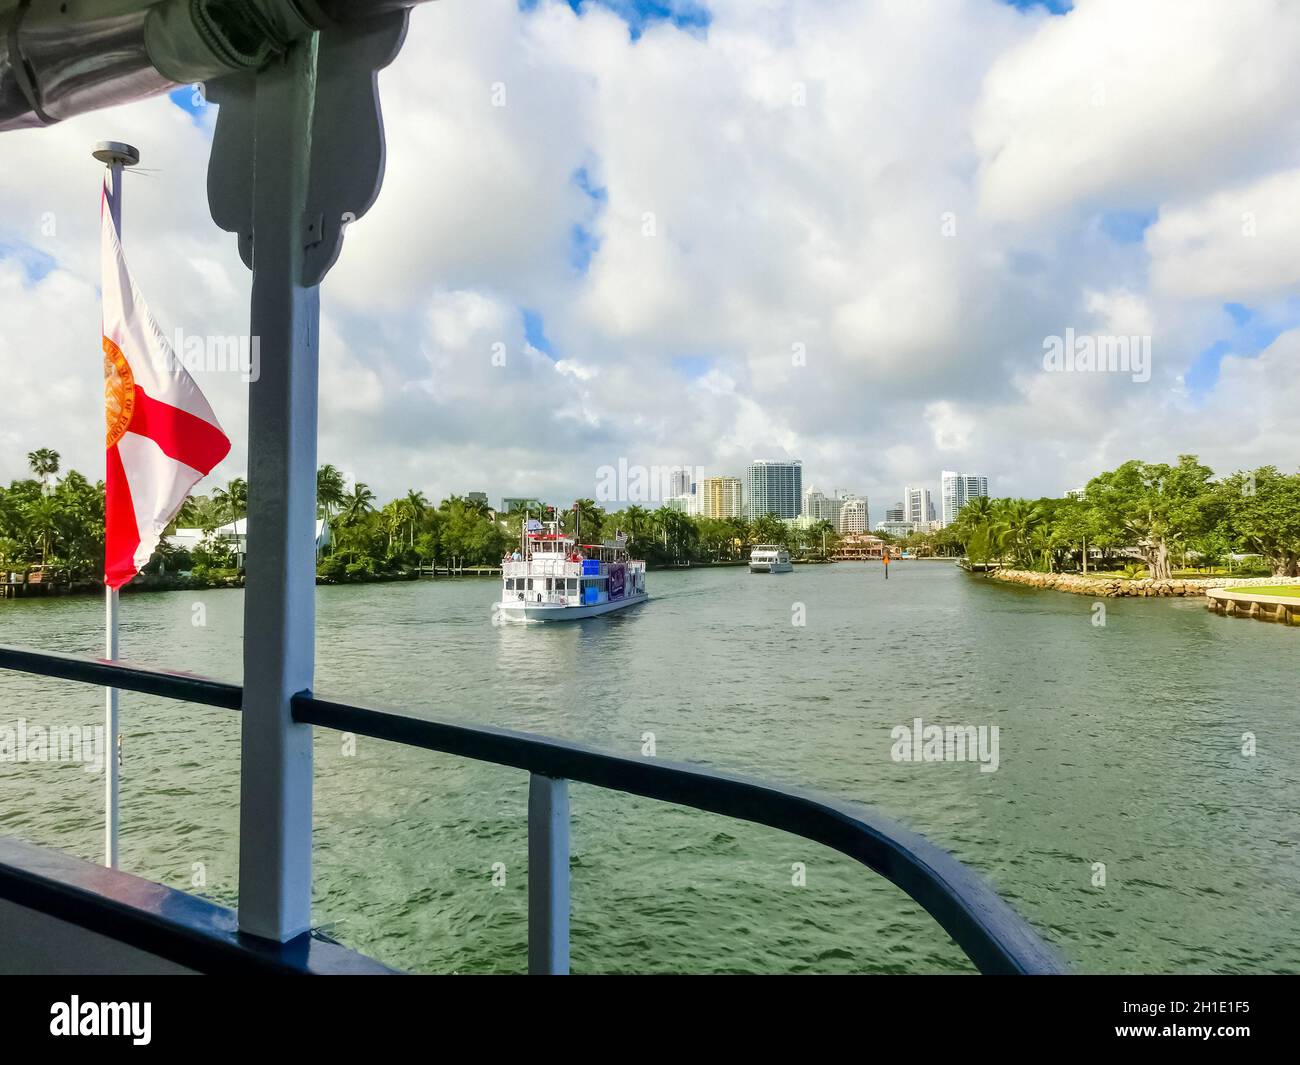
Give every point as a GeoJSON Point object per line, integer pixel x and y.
{"type": "Point", "coordinates": [701, 232]}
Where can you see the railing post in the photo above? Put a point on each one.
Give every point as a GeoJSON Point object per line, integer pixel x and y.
{"type": "Point", "coordinates": [548, 876]}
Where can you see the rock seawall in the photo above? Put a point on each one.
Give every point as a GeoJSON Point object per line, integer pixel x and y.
{"type": "Point", "coordinates": [1115, 587]}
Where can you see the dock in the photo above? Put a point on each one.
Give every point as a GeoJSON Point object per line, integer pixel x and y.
{"type": "Point", "coordinates": [458, 571]}
{"type": "Point", "coordinates": [1244, 603]}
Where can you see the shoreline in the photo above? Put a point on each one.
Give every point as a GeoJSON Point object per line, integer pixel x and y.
{"type": "Point", "coordinates": [179, 583]}
{"type": "Point", "coordinates": [1121, 587]}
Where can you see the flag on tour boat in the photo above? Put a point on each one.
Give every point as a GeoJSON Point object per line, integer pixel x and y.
{"type": "Point", "coordinates": [162, 435]}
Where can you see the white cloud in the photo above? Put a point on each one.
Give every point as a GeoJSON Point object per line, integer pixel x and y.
{"type": "Point", "coordinates": [1239, 244]}
{"type": "Point", "coordinates": [1125, 104]}
{"type": "Point", "coordinates": [906, 194]}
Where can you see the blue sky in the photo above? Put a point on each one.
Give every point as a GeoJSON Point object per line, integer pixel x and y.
{"type": "Point", "coordinates": [36, 264]}
{"type": "Point", "coordinates": [1252, 332]}
{"type": "Point", "coordinates": [694, 15]}
{"type": "Point", "coordinates": [688, 15]}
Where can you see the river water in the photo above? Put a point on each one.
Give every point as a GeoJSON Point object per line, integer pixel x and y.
{"type": "Point", "coordinates": [1119, 745]}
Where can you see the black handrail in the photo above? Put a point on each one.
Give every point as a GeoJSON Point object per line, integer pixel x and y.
{"type": "Point", "coordinates": [993, 935]}
{"type": "Point", "coordinates": [184, 687]}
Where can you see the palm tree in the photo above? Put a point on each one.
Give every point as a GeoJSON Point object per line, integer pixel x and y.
{"type": "Point", "coordinates": [331, 490]}
{"type": "Point", "coordinates": [43, 517]}
{"type": "Point", "coordinates": [1014, 527]}
{"type": "Point", "coordinates": [416, 505]}
{"type": "Point", "coordinates": [590, 518]}
{"type": "Point", "coordinates": [637, 523]}
{"type": "Point", "coordinates": [360, 503]}
{"type": "Point", "coordinates": [44, 463]}
{"type": "Point", "coordinates": [769, 529]}
{"type": "Point", "coordinates": [233, 499]}
{"type": "Point", "coordinates": [394, 516]}
{"type": "Point", "coordinates": [825, 530]}
{"type": "Point", "coordinates": [680, 534]}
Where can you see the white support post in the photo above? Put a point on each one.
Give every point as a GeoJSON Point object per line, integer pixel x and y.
{"type": "Point", "coordinates": [548, 876]}
{"type": "Point", "coordinates": [279, 600]}
{"type": "Point", "coordinates": [112, 741]}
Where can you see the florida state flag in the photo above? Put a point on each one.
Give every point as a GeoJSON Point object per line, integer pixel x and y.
{"type": "Point", "coordinates": [162, 435]}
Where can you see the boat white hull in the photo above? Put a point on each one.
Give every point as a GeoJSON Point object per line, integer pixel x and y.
{"type": "Point", "coordinates": [770, 567]}
{"type": "Point", "coordinates": [520, 610]}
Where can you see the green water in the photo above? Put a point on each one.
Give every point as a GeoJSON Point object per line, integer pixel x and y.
{"type": "Point", "coordinates": [1119, 744]}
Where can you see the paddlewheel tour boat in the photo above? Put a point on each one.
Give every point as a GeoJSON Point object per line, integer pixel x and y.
{"type": "Point", "coordinates": [552, 577]}
{"type": "Point", "coordinates": [769, 558]}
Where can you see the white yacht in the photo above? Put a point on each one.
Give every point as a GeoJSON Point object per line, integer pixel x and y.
{"type": "Point", "coordinates": [769, 558]}
{"type": "Point", "coordinates": [552, 577]}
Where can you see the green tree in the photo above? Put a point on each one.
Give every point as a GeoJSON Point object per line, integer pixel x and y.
{"type": "Point", "coordinates": [232, 500]}
{"type": "Point", "coordinates": [823, 537]}
{"type": "Point", "coordinates": [590, 521]}
{"type": "Point", "coordinates": [44, 463]}
{"type": "Point", "coordinates": [1156, 505]}
{"type": "Point", "coordinates": [331, 491]}
{"type": "Point", "coordinates": [414, 506]}
{"type": "Point", "coordinates": [1264, 511]}
{"type": "Point", "coordinates": [358, 504]}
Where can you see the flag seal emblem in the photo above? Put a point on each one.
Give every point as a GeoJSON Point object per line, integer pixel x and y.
{"type": "Point", "coordinates": [119, 392]}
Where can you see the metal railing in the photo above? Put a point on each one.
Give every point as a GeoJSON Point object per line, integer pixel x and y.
{"type": "Point", "coordinates": [542, 567]}
{"type": "Point", "coordinates": [995, 938]}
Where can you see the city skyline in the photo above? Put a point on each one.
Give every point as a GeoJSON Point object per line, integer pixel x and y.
{"type": "Point", "coordinates": [697, 493]}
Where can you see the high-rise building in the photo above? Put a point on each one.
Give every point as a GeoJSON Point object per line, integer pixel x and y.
{"type": "Point", "coordinates": [959, 489]}
{"type": "Point", "coordinates": [681, 481]}
{"type": "Point", "coordinates": [894, 513]}
{"type": "Point", "coordinates": [917, 506]}
{"type": "Point", "coordinates": [719, 497]}
{"type": "Point", "coordinates": [773, 488]}
{"type": "Point", "coordinates": [854, 516]}
{"type": "Point", "coordinates": [818, 506]}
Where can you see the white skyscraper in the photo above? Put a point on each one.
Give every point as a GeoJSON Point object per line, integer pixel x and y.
{"type": "Point", "coordinates": [917, 506]}
{"type": "Point", "coordinates": [958, 489]}
{"type": "Point", "coordinates": [854, 516]}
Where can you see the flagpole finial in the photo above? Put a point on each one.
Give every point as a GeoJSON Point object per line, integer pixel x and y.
{"type": "Point", "coordinates": [115, 152]}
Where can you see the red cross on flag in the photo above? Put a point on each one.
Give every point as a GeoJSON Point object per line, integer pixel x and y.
{"type": "Point", "coordinates": [162, 435]}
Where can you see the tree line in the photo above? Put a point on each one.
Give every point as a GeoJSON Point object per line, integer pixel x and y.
{"type": "Point", "coordinates": [1164, 515]}
{"type": "Point", "coordinates": [1160, 514]}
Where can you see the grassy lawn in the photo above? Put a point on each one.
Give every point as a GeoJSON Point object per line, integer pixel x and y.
{"type": "Point", "coordinates": [1292, 590]}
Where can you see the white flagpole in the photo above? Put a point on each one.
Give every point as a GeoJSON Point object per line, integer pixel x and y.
{"type": "Point", "coordinates": [114, 155]}
{"type": "Point", "coordinates": [112, 741]}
